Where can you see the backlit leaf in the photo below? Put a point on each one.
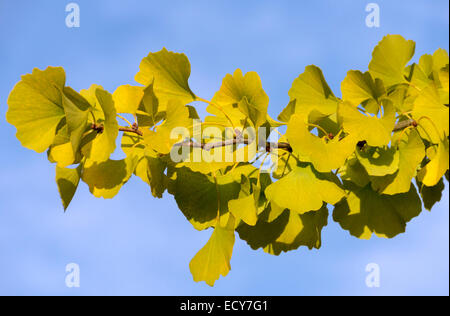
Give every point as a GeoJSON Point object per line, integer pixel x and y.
{"type": "Point", "coordinates": [389, 59]}
{"type": "Point", "coordinates": [304, 190]}
{"type": "Point", "coordinates": [375, 131]}
{"type": "Point", "coordinates": [411, 153]}
{"type": "Point", "coordinates": [324, 155]}
{"type": "Point", "coordinates": [35, 107]}
{"type": "Point", "coordinates": [365, 212]}
{"type": "Point", "coordinates": [312, 93]}
{"type": "Point", "coordinates": [214, 258]}
{"type": "Point", "coordinates": [67, 181]}
{"type": "Point", "coordinates": [170, 72]}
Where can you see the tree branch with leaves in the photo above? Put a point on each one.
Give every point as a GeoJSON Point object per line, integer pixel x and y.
{"type": "Point", "coordinates": [372, 156]}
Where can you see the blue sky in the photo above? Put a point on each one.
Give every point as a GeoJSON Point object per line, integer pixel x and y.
{"type": "Point", "coordinates": [138, 245]}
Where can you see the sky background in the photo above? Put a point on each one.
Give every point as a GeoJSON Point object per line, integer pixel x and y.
{"type": "Point", "coordinates": [138, 245]}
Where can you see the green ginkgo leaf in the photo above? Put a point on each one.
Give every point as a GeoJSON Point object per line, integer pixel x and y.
{"type": "Point", "coordinates": [35, 107]}
{"type": "Point", "coordinates": [105, 179]}
{"type": "Point", "coordinates": [214, 258]}
{"type": "Point", "coordinates": [241, 96]}
{"type": "Point", "coordinates": [67, 181]}
{"type": "Point", "coordinates": [354, 171]}
{"type": "Point", "coordinates": [389, 59]}
{"type": "Point", "coordinates": [203, 198]}
{"type": "Point", "coordinates": [127, 98]}
{"type": "Point", "coordinates": [411, 153]}
{"type": "Point", "coordinates": [177, 116]}
{"type": "Point", "coordinates": [170, 72]}
{"type": "Point", "coordinates": [431, 195]}
{"type": "Point", "coordinates": [433, 171]}
{"type": "Point", "coordinates": [300, 230]}
{"type": "Point", "coordinates": [304, 190]}
{"type": "Point", "coordinates": [379, 161]}
{"type": "Point", "coordinates": [375, 131]}
{"type": "Point", "coordinates": [104, 144]}
{"type": "Point", "coordinates": [324, 155]}
{"type": "Point", "coordinates": [365, 211]}
{"type": "Point", "coordinates": [358, 88]}
{"type": "Point", "coordinates": [312, 93]}
{"type": "Point", "coordinates": [286, 232]}
{"type": "Point", "coordinates": [431, 114]}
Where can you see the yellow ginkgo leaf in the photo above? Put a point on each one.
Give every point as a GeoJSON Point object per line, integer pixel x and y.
{"type": "Point", "coordinates": [312, 93]}
{"type": "Point", "coordinates": [304, 190]}
{"type": "Point", "coordinates": [324, 155]}
{"type": "Point", "coordinates": [431, 114]}
{"type": "Point", "coordinates": [35, 107]}
{"type": "Point", "coordinates": [241, 96]}
{"type": "Point", "coordinates": [433, 171]}
{"type": "Point", "coordinates": [177, 116]}
{"type": "Point", "coordinates": [170, 72]}
{"type": "Point", "coordinates": [411, 153]}
{"type": "Point", "coordinates": [127, 98]}
{"type": "Point", "coordinates": [389, 59]}
{"type": "Point", "coordinates": [360, 87]}
{"type": "Point", "coordinates": [375, 131]}
{"type": "Point", "coordinates": [214, 258]}
{"type": "Point", "coordinates": [379, 161]}
{"type": "Point", "coordinates": [107, 178]}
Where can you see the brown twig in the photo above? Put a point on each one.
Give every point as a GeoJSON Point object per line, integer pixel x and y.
{"type": "Point", "coordinates": [239, 139]}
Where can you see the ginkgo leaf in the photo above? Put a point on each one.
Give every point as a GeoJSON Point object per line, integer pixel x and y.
{"type": "Point", "coordinates": [389, 59]}
{"type": "Point", "coordinates": [431, 195]}
{"type": "Point", "coordinates": [300, 230]}
{"type": "Point", "coordinates": [67, 181]}
{"type": "Point", "coordinates": [127, 98]}
{"type": "Point", "coordinates": [177, 116]}
{"type": "Point", "coordinates": [365, 211]}
{"type": "Point", "coordinates": [77, 111]}
{"type": "Point", "coordinates": [214, 258]}
{"type": "Point", "coordinates": [251, 201]}
{"type": "Point", "coordinates": [375, 131]}
{"type": "Point", "coordinates": [61, 150]}
{"type": "Point", "coordinates": [203, 198]}
{"type": "Point", "coordinates": [241, 96]}
{"type": "Point", "coordinates": [354, 171]}
{"type": "Point", "coordinates": [433, 171]}
{"type": "Point", "coordinates": [147, 114]}
{"type": "Point", "coordinates": [35, 107]}
{"type": "Point", "coordinates": [379, 161]}
{"type": "Point", "coordinates": [324, 155]}
{"type": "Point", "coordinates": [150, 167]}
{"type": "Point", "coordinates": [431, 114]}
{"type": "Point", "coordinates": [312, 93]}
{"type": "Point", "coordinates": [401, 99]}
{"type": "Point", "coordinates": [358, 88]}
{"type": "Point", "coordinates": [104, 144]}
{"type": "Point", "coordinates": [170, 72]}
{"type": "Point", "coordinates": [107, 178]}
{"type": "Point", "coordinates": [286, 232]}
{"type": "Point", "coordinates": [444, 80]}
{"type": "Point", "coordinates": [287, 112]}
{"type": "Point", "coordinates": [304, 190]}
{"type": "Point", "coordinates": [411, 153]}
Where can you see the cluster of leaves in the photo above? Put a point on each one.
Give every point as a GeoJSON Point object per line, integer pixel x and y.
{"type": "Point", "coordinates": [359, 153]}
